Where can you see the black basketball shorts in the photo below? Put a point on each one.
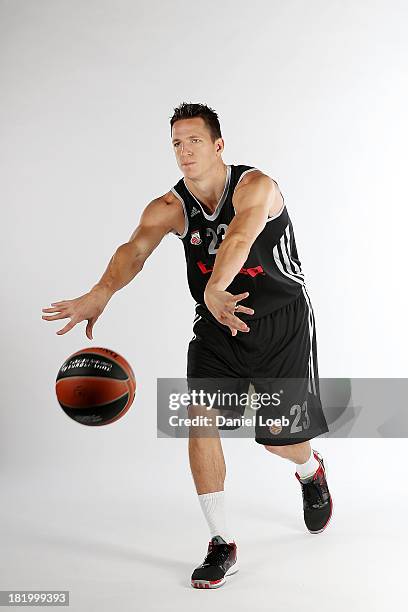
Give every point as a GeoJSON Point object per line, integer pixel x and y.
{"type": "Point", "coordinates": [278, 356]}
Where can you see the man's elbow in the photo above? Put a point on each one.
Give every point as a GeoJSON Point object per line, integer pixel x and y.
{"type": "Point", "coordinates": [133, 253]}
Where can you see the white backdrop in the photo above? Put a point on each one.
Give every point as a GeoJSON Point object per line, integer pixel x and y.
{"type": "Point", "coordinates": [314, 94]}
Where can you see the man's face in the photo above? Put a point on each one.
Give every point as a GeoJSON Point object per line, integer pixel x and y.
{"type": "Point", "coordinates": [195, 152]}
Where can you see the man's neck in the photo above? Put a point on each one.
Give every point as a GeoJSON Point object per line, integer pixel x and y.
{"type": "Point", "coordinates": [209, 189]}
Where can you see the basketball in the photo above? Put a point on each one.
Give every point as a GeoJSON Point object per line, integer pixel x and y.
{"type": "Point", "coordinates": [95, 386]}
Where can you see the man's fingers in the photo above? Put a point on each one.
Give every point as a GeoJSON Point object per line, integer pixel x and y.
{"type": "Point", "coordinates": [234, 322]}
{"type": "Point", "coordinates": [232, 330]}
{"type": "Point", "coordinates": [51, 309]}
{"type": "Point", "coordinates": [249, 311]}
{"type": "Point", "coordinates": [240, 296]}
{"type": "Point", "coordinates": [238, 324]}
{"type": "Point", "coordinates": [240, 308]}
{"type": "Point", "coordinates": [89, 329]}
{"type": "Point", "coordinates": [68, 326]}
{"type": "Point", "coordinates": [62, 315]}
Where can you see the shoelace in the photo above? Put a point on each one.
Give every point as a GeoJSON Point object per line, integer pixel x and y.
{"type": "Point", "coordinates": [313, 493]}
{"type": "Point", "coordinates": [217, 555]}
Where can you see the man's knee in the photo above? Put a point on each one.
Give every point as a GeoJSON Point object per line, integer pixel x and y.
{"type": "Point", "coordinates": [203, 424]}
{"type": "Point", "coordinates": [287, 450]}
{"type": "Point", "coordinates": [194, 410]}
{"type": "Point", "coordinates": [282, 451]}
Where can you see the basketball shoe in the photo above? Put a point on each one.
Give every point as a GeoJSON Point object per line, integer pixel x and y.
{"type": "Point", "coordinates": [220, 561]}
{"type": "Point", "coordinates": [317, 501]}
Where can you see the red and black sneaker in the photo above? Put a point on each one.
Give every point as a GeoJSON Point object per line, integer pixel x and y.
{"type": "Point", "coordinates": [317, 501]}
{"type": "Point", "coordinates": [220, 561]}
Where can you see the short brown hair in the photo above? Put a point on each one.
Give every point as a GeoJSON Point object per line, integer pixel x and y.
{"type": "Point", "coordinates": [187, 110]}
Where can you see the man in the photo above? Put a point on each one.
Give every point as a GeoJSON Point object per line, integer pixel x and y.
{"type": "Point", "coordinates": [241, 260]}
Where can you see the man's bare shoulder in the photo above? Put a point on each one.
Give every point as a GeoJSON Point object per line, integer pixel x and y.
{"type": "Point", "coordinates": [252, 177]}
{"type": "Point", "coordinates": [167, 207]}
{"type": "Point", "coordinates": [168, 198]}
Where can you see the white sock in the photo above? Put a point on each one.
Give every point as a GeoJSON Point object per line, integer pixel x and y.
{"type": "Point", "coordinates": [306, 470]}
{"type": "Point", "coordinates": [213, 507]}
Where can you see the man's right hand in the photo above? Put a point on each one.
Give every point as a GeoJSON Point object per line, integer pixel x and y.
{"type": "Point", "coordinates": [86, 307]}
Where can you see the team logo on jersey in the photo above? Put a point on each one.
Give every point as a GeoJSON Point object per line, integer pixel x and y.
{"type": "Point", "coordinates": [206, 269]}
{"type": "Point", "coordinates": [194, 211]}
{"type": "Point", "coordinates": [195, 237]}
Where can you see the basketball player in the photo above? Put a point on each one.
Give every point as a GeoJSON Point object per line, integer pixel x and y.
{"type": "Point", "coordinates": [254, 318]}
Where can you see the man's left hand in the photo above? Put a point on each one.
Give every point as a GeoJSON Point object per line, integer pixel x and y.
{"type": "Point", "coordinates": [223, 306]}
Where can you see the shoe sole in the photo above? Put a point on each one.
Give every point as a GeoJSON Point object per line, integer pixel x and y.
{"type": "Point", "coordinates": [331, 499]}
{"type": "Point", "coordinates": [214, 584]}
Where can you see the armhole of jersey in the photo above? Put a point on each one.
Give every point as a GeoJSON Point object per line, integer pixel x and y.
{"type": "Point", "coordinates": [283, 205]}
{"type": "Point", "coordinates": [185, 215]}
{"type": "Point", "coordinates": [242, 175]}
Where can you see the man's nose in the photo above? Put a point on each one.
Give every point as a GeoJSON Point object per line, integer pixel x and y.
{"type": "Point", "coordinates": [185, 150]}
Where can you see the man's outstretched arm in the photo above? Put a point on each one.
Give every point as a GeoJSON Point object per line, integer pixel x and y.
{"type": "Point", "coordinates": [252, 202]}
{"type": "Point", "coordinates": [157, 219]}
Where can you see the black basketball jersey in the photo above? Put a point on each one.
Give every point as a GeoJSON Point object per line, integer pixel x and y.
{"type": "Point", "coordinates": [272, 273]}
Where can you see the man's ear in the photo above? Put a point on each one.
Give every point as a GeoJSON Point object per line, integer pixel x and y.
{"type": "Point", "coordinates": [219, 147]}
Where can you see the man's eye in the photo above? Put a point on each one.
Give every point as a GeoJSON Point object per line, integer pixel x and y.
{"type": "Point", "coordinates": [176, 144]}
